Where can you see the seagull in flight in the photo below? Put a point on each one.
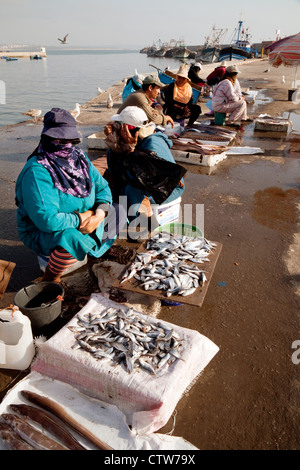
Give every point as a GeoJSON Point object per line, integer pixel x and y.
{"type": "Point", "coordinates": [64, 40]}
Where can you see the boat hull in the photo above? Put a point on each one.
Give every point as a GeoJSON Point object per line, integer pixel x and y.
{"type": "Point", "coordinates": [209, 55]}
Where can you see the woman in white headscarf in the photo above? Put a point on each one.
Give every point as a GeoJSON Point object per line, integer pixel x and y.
{"type": "Point", "coordinates": [227, 100]}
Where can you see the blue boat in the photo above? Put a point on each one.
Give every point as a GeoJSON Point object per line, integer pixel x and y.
{"type": "Point", "coordinates": [240, 47]}
{"type": "Point", "coordinates": [9, 59]}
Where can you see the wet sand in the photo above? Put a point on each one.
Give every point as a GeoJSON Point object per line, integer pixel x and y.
{"type": "Point", "coordinates": [248, 396]}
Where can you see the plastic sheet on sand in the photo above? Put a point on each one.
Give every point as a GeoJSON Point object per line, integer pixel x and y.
{"type": "Point", "coordinates": [148, 401]}
{"type": "Point", "coordinates": [105, 421]}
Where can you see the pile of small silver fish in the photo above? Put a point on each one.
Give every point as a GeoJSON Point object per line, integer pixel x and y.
{"type": "Point", "coordinates": [125, 338]}
{"type": "Point", "coordinates": [169, 264]}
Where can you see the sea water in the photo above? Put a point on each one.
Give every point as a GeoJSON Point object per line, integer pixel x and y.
{"type": "Point", "coordinates": [66, 77]}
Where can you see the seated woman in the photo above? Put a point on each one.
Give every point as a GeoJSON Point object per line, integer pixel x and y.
{"type": "Point", "coordinates": [135, 153]}
{"type": "Point", "coordinates": [63, 200]}
{"type": "Point", "coordinates": [193, 74]}
{"type": "Point", "coordinates": [226, 100]}
{"type": "Point", "coordinates": [178, 98]}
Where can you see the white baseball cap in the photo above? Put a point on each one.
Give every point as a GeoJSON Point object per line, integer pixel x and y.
{"type": "Point", "coordinates": [133, 116]}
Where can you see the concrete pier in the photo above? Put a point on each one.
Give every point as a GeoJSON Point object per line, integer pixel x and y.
{"type": "Point", "coordinates": [24, 54]}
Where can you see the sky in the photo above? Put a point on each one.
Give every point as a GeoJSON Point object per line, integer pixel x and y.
{"type": "Point", "coordinates": [117, 23]}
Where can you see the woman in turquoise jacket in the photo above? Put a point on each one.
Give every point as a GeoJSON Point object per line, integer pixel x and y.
{"type": "Point", "coordinates": [124, 141]}
{"type": "Point", "coordinates": [63, 200]}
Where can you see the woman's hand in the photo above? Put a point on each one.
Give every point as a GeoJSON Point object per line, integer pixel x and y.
{"type": "Point", "coordinates": [90, 221]}
{"type": "Point", "coordinates": [169, 120]}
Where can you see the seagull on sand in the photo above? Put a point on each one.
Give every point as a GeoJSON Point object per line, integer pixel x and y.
{"type": "Point", "coordinates": [110, 102]}
{"type": "Point", "coordinates": [283, 79]}
{"type": "Point", "coordinates": [64, 40]}
{"type": "Point", "coordinates": [35, 113]}
{"type": "Point", "coordinates": [76, 111]}
{"type": "Point", "coordinates": [100, 90]}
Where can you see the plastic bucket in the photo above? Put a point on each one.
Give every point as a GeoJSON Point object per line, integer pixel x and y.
{"type": "Point", "coordinates": [219, 119]}
{"type": "Point", "coordinates": [180, 229]}
{"type": "Point", "coordinates": [41, 303]}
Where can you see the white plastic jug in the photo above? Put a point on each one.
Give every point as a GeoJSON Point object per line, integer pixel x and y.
{"type": "Point", "coordinates": [16, 340]}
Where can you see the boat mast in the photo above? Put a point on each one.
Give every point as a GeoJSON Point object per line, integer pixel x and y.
{"type": "Point", "coordinates": [239, 31]}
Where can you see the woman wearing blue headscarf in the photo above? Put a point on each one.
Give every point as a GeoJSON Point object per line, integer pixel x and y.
{"type": "Point", "coordinates": [63, 200]}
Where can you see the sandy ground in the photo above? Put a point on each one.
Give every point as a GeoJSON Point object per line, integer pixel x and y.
{"type": "Point", "coordinates": [248, 396]}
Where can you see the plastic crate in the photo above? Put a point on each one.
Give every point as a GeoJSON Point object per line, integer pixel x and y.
{"type": "Point", "coordinates": [181, 229]}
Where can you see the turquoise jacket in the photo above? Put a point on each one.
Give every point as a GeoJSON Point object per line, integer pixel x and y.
{"type": "Point", "coordinates": [46, 217]}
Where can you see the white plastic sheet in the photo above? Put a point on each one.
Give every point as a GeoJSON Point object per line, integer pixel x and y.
{"type": "Point", "coordinates": [244, 150]}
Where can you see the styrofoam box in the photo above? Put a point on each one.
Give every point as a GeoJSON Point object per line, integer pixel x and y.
{"type": "Point", "coordinates": [165, 213]}
{"type": "Point", "coordinates": [43, 261]}
{"type": "Point", "coordinates": [273, 125]}
{"type": "Point", "coordinates": [198, 158]}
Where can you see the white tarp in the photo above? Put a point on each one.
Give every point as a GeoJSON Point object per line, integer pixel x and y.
{"type": "Point", "coordinates": [105, 421]}
{"type": "Point", "coordinates": [147, 401]}
{"type": "Point", "coordinates": [244, 150]}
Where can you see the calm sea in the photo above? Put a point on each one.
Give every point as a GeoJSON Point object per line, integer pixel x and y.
{"type": "Point", "coordinates": [67, 77]}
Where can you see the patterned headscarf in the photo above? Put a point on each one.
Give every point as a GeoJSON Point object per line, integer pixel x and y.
{"type": "Point", "coordinates": [67, 166]}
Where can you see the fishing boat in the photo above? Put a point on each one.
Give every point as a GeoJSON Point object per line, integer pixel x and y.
{"type": "Point", "coordinates": [211, 48]}
{"type": "Point", "coordinates": [9, 59]}
{"type": "Point", "coordinates": [240, 47]}
{"type": "Point", "coordinates": [178, 50]}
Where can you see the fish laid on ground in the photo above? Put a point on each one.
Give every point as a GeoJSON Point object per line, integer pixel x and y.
{"type": "Point", "coordinates": [169, 264]}
{"type": "Point", "coordinates": [31, 435]}
{"type": "Point", "coordinates": [49, 424]}
{"type": "Point", "coordinates": [12, 440]}
{"type": "Point", "coordinates": [123, 337]}
{"type": "Point", "coordinates": [59, 411]}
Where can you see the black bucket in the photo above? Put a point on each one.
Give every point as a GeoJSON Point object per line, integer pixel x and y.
{"type": "Point", "coordinates": [41, 303]}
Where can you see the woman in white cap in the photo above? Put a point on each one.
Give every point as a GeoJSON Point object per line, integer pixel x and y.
{"type": "Point", "coordinates": [131, 141]}
{"type": "Point", "coordinates": [178, 98]}
{"type": "Point", "coordinates": [227, 100]}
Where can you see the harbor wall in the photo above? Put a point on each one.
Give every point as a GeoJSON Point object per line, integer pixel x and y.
{"type": "Point", "coordinates": [22, 55]}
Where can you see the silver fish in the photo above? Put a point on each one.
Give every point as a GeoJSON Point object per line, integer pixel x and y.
{"type": "Point", "coordinates": [128, 340]}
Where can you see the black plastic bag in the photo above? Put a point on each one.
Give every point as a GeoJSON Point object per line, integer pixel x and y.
{"type": "Point", "coordinates": [146, 170]}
